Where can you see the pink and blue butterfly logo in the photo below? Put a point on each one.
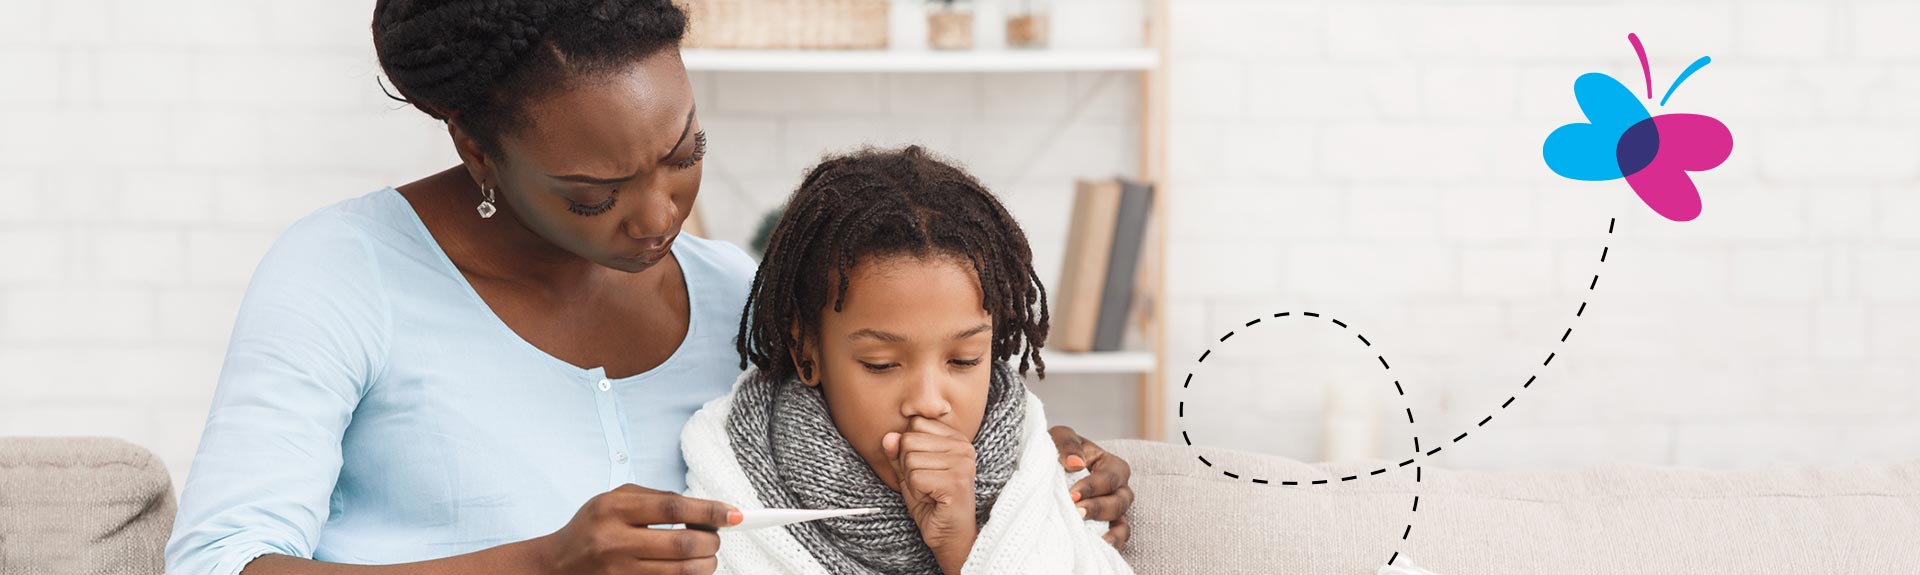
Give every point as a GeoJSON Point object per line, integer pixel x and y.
{"type": "Point", "coordinates": [1622, 140]}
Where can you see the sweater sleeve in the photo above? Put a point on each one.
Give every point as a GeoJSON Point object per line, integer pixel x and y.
{"type": "Point", "coordinates": [309, 339]}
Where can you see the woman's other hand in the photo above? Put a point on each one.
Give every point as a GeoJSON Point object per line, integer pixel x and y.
{"type": "Point", "coordinates": [1103, 494]}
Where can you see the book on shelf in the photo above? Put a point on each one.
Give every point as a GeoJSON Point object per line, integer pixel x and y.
{"type": "Point", "coordinates": [1105, 241]}
{"type": "Point", "coordinates": [1083, 273]}
{"type": "Point", "coordinates": [1123, 264]}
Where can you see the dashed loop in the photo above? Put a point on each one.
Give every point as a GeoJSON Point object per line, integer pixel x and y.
{"type": "Point", "coordinates": [1592, 285]}
{"type": "Point", "coordinates": [1398, 390]}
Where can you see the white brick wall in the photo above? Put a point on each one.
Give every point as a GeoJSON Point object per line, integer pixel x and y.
{"type": "Point", "coordinates": [1393, 179]}
{"type": "Point", "coordinates": [1374, 160]}
{"type": "Point", "coordinates": [150, 152]}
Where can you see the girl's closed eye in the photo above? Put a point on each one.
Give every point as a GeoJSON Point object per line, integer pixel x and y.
{"type": "Point", "coordinates": [881, 367]}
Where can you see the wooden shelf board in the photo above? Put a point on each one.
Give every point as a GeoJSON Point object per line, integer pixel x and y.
{"type": "Point", "coordinates": [1121, 362]}
{"type": "Point", "coordinates": [910, 61]}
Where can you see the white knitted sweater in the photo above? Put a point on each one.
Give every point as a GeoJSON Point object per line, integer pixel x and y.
{"type": "Point", "coordinates": [1034, 527]}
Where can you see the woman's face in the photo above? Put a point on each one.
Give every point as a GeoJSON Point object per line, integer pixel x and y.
{"type": "Point", "coordinates": [911, 340]}
{"type": "Point", "coordinates": [607, 168]}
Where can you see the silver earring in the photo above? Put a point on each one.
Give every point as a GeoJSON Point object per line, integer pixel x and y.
{"type": "Point", "coordinates": [486, 208]}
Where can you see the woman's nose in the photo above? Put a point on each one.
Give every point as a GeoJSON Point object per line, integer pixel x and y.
{"type": "Point", "coordinates": [652, 217]}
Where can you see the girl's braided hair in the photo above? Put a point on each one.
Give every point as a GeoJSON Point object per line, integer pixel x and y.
{"type": "Point", "coordinates": [883, 203]}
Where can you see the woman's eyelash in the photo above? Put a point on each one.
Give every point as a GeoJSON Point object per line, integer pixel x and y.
{"type": "Point", "coordinates": [877, 367]}
{"type": "Point", "coordinates": [594, 209]}
{"type": "Point", "coordinates": [699, 151]}
{"type": "Point", "coordinates": [967, 362]}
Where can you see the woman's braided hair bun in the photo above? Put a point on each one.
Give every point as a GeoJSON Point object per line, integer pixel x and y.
{"type": "Point", "coordinates": [475, 62]}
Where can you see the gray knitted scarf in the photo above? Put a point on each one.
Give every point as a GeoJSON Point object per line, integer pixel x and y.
{"type": "Point", "coordinates": [795, 458]}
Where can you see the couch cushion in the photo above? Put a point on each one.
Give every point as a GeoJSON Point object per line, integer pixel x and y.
{"type": "Point", "coordinates": [82, 505]}
{"type": "Point", "coordinates": [1190, 518]}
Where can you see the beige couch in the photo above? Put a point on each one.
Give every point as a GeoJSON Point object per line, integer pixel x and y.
{"type": "Point", "coordinates": [81, 505]}
{"type": "Point", "coordinates": [91, 505]}
{"type": "Point", "coordinates": [1190, 518]}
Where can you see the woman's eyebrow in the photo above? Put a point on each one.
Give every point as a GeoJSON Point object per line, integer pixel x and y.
{"type": "Point", "coordinates": [599, 181]}
{"type": "Point", "coordinates": [683, 133]}
{"type": "Point", "coordinates": [585, 179]}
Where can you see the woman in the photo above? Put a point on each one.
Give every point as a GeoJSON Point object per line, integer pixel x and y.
{"type": "Point", "coordinates": [478, 371]}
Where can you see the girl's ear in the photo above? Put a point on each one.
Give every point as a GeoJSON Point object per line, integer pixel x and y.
{"type": "Point", "coordinates": [805, 362]}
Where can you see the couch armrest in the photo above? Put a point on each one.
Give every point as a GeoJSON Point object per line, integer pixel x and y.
{"type": "Point", "coordinates": [82, 505]}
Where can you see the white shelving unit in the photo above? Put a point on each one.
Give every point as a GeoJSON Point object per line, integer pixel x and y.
{"type": "Point", "coordinates": [915, 61]}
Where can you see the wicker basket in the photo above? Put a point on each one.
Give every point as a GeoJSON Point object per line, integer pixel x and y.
{"type": "Point", "coordinates": [787, 24]}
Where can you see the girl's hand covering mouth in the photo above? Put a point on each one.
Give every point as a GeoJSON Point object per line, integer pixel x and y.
{"type": "Point", "coordinates": [935, 466]}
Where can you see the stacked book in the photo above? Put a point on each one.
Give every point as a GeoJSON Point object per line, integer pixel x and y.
{"type": "Point", "coordinates": [1105, 240]}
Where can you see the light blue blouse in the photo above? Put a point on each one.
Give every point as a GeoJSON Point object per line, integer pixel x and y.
{"type": "Point", "coordinates": [373, 409]}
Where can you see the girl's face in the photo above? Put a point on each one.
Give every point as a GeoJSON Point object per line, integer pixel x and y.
{"type": "Point", "coordinates": [606, 169]}
{"type": "Point", "coordinates": [910, 340]}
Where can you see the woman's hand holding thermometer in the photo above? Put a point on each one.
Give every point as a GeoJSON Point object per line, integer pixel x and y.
{"type": "Point", "coordinates": [610, 535]}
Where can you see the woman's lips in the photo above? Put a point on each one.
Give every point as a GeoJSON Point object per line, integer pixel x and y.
{"type": "Point", "coordinates": [656, 255]}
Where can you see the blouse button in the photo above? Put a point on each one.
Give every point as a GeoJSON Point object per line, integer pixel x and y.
{"type": "Point", "coordinates": [619, 457]}
{"type": "Point", "coordinates": [605, 385]}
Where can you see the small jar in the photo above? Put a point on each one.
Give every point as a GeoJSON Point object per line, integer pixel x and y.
{"type": "Point", "coordinates": [950, 24]}
{"type": "Point", "coordinates": [1027, 24]}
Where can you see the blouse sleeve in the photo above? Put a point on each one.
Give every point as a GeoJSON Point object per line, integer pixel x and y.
{"type": "Point", "coordinates": [309, 339]}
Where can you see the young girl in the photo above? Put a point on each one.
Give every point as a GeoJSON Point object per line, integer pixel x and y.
{"type": "Point", "coordinates": [880, 328]}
